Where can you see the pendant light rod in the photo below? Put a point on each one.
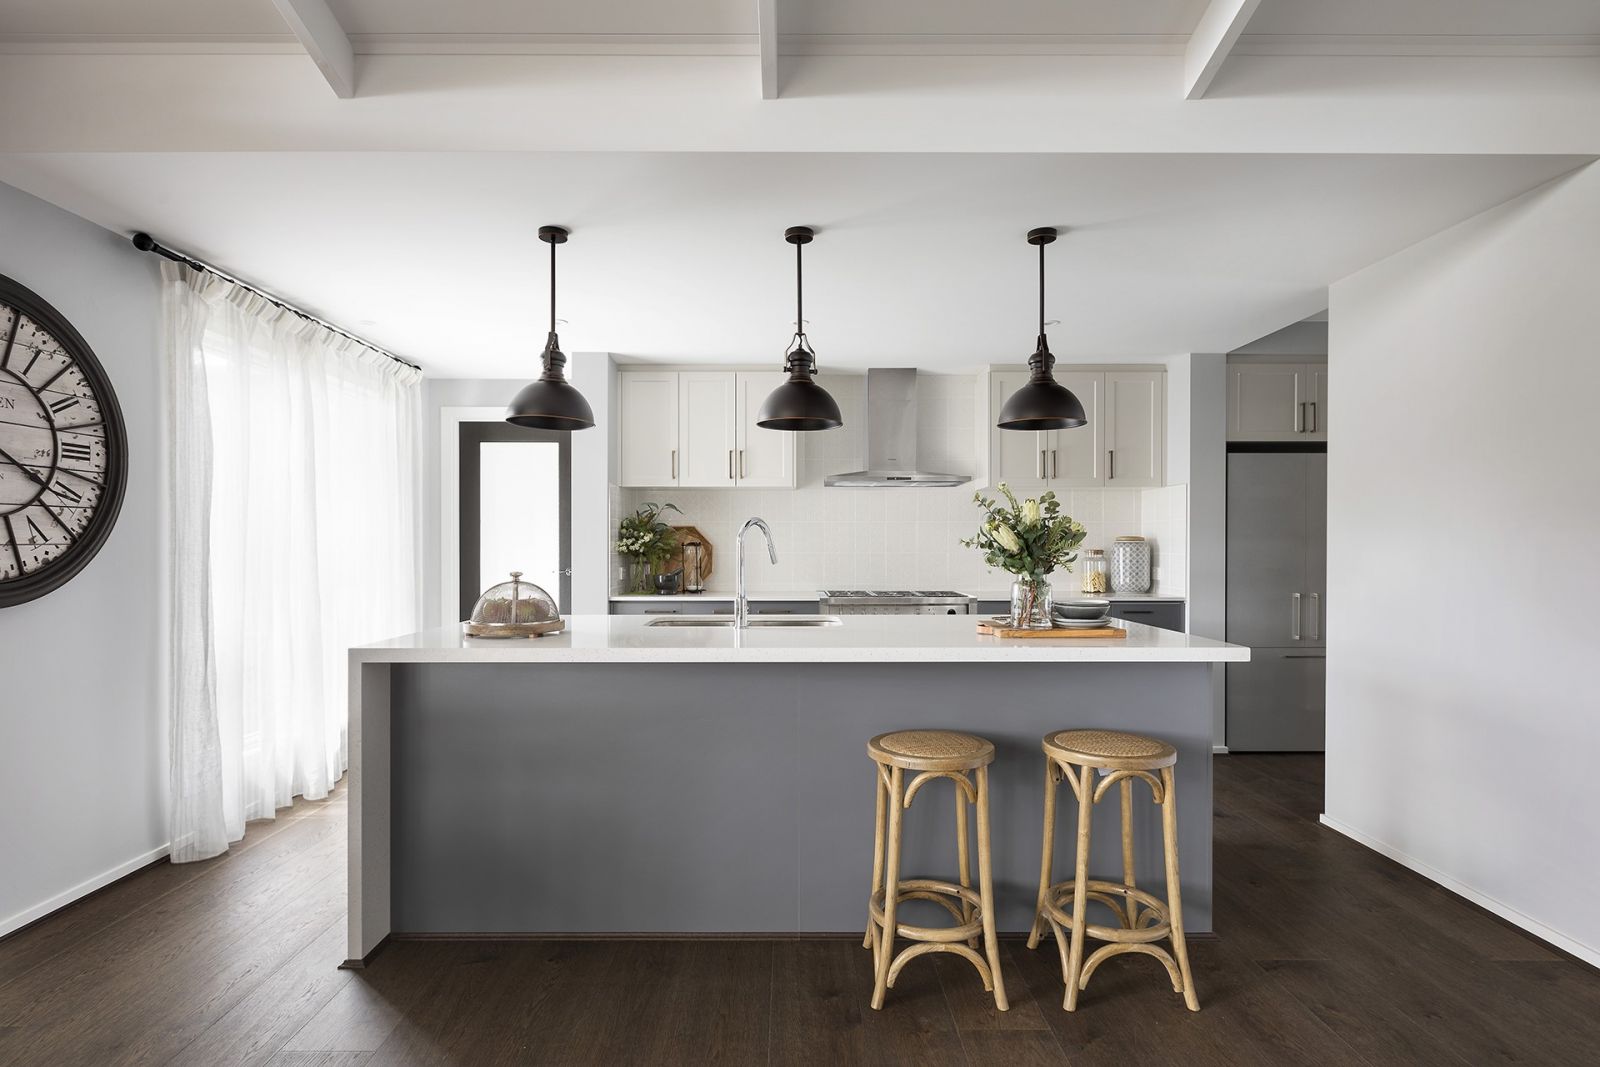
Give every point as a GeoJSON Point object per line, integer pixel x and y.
{"type": "Point", "coordinates": [1042, 403]}
{"type": "Point", "coordinates": [550, 402]}
{"type": "Point", "coordinates": [799, 403]}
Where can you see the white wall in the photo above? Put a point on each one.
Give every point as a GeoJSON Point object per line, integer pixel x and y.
{"type": "Point", "coordinates": [83, 765]}
{"type": "Point", "coordinates": [1462, 732]}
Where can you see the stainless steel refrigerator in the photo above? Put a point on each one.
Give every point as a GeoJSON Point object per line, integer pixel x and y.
{"type": "Point", "coordinates": [1277, 573]}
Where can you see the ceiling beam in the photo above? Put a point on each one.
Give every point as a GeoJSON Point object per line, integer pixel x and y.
{"type": "Point", "coordinates": [767, 32]}
{"type": "Point", "coordinates": [324, 41]}
{"type": "Point", "coordinates": [1213, 38]}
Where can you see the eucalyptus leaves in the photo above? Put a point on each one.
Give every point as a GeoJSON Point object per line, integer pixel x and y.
{"type": "Point", "coordinates": [1029, 539]}
{"type": "Point", "coordinates": [643, 535]}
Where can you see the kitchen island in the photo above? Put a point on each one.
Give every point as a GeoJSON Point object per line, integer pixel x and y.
{"type": "Point", "coordinates": [631, 777]}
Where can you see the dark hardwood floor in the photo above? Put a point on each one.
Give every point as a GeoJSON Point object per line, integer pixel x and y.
{"type": "Point", "coordinates": [1329, 954]}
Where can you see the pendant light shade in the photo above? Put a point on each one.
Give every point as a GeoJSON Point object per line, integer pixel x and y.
{"type": "Point", "coordinates": [550, 402]}
{"type": "Point", "coordinates": [799, 403]}
{"type": "Point", "coordinates": [1043, 403]}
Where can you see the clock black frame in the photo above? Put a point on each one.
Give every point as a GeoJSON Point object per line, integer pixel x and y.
{"type": "Point", "coordinates": [66, 566]}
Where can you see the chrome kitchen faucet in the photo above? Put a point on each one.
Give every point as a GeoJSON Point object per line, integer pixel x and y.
{"type": "Point", "coordinates": [741, 603]}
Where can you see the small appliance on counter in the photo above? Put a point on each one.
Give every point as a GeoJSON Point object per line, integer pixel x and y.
{"type": "Point", "coordinates": [1130, 565]}
{"type": "Point", "coordinates": [514, 609]}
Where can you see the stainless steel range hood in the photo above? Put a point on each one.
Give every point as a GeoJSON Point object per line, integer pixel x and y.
{"type": "Point", "coordinates": [892, 436]}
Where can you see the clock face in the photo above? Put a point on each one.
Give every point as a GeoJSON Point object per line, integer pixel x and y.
{"type": "Point", "coordinates": [63, 451]}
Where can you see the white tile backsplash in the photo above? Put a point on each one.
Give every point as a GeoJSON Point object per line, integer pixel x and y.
{"type": "Point", "coordinates": [904, 538]}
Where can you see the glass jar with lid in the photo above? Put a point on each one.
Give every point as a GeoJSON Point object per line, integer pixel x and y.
{"type": "Point", "coordinates": [1096, 578]}
{"type": "Point", "coordinates": [514, 609]}
{"type": "Point", "coordinates": [1130, 565]}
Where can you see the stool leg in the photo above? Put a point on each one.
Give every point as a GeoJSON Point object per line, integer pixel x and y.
{"type": "Point", "coordinates": [963, 857]}
{"type": "Point", "coordinates": [1130, 907]}
{"type": "Point", "coordinates": [1080, 896]}
{"type": "Point", "coordinates": [877, 851]}
{"type": "Point", "coordinates": [1046, 852]}
{"type": "Point", "coordinates": [991, 943]}
{"type": "Point", "coordinates": [891, 886]}
{"type": "Point", "coordinates": [1169, 834]}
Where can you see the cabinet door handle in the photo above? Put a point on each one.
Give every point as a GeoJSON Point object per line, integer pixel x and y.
{"type": "Point", "coordinates": [1055, 469]}
{"type": "Point", "coordinates": [1137, 611]}
{"type": "Point", "coordinates": [1306, 655]}
{"type": "Point", "coordinates": [1300, 417]}
{"type": "Point", "coordinates": [1111, 461]}
{"type": "Point", "coordinates": [1316, 616]}
{"type": "Point", "coordinates": [1038, 465]}
{"type": "Point", "coordinates": [1313, 417]}
{"type": "Point", "coordinates": [743, 473]}
{"type": "Point", "coordinates": [730, 464]}
{"type": "Point", "coordinates": [1294, 618]}
{"type": "Point", "coordinates": [674, 464]}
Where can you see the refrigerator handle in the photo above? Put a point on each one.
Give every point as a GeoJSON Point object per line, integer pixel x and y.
{"type": "Point", "coordinates": [1316, 616]}
{"type": "Point", "coordinates": [1294, 616]}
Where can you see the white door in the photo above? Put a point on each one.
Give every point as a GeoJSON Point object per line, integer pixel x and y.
{"type": "Point", "coordinates": [1075, 457]}
{"type": "Point", "coordinates": [705, 428]}
{"type": "Point", "coordinates": [1264, 402]}
{"type": "Point", "coordinates": [647, 428]}
{"type": "Point", "coordinates": [1315, 389]}
{"type": "Point", "coordinates": [1016, 457]}
{"type": "Point", "coordinates": [1136, 428]}
{"type": "Point", "coordinates": [764, 457]}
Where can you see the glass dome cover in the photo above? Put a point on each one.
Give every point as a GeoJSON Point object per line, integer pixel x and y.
{"type": "Point", "coordinates": [514, 609]}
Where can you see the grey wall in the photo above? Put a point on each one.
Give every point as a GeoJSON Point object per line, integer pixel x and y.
{"type": "Point", "coordinates": [83, 766]}
{"type": "Point", "coordinates": [1465, 389]}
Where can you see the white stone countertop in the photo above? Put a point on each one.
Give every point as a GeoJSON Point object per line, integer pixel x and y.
{"type": "Point", "coordinates": [857, 639]}
{"type": "Point", "coordinates": [769, 595]}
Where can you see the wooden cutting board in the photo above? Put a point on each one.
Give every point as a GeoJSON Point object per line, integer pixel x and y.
{"type": "Point", "coordinates": [997, 630]}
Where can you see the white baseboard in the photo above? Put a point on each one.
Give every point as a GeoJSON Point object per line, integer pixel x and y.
{"type": "Point", "coordinates": [82, 889]}
{"type": "Point", "coordinates": [1219, 750]}
{"type": "Point", "coordinates": [1588, 953]}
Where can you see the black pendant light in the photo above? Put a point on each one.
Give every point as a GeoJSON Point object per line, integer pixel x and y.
{"type": "Point", "coordinates": [550, 402]}
{"type": "Point", "coordinates": [799, 403]}
{"type": "Point", "coordinates": [1044, 403]}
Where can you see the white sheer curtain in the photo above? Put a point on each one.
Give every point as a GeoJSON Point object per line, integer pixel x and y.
{"type": "Point", "coordinates": [295, 537]}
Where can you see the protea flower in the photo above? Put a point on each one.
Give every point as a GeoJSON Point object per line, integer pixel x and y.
{"type": "Point", "coordinates": [1007, 539]}
{"type": "Point", "coordinates": [1030, 512]}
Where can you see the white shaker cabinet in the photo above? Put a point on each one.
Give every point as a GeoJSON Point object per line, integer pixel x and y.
{"type": "Point", "coordinates": [764, 458]}
{"type": "Point", "coordinates": [1080, 457]}
{"type": "Point", "coordinates": [697, 429]}
{"type": "Point", "coordinates": [1135, 428]}
{"type": "Point", "coordinates": [647, 434]}
{"type": "Point", "coordinates": [1278, 402]}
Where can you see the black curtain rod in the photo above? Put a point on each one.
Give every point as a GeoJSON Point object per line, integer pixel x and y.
{"type": "Point", "coordinates": [145, 243]}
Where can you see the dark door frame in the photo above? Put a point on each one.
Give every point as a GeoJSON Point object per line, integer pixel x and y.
{"type": "Point", "coordinates": [473, 434]}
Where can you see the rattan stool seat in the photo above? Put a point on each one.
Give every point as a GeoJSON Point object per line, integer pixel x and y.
{"type": "Point", "coordinates": [931, 750]}
{"type": "Point", "coordinates": [1110, 748]}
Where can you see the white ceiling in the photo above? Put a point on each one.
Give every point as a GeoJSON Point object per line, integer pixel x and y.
{"type": "Point", "coordinates": [1168, 18]}
{"type": "Point", "coordinates": [920, 259]}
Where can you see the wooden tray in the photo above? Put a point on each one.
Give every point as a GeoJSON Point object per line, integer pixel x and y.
{"type": "Point", "coordinates": [997, 630]}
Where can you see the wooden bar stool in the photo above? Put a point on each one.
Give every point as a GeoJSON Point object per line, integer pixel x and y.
{"type": "Point", "coordinates": [933, 754]}
{"type": "Point", "coordinates": [1075, 755]}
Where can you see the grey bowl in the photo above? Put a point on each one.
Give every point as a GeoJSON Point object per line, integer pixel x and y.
{"type": "Point", "coordinates": [1083, 609]}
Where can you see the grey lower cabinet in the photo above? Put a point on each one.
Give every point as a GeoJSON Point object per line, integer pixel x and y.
{"type": "Point", "coordinates": [1275, 702]}
{"type": "Point", "coordinates": [711, 607]}
{"type": "Point", "coordinates": [1162, 614]}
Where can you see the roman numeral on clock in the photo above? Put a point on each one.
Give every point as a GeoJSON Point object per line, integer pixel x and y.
{"type": "Point", "coordinates": [39, 536]}
{"type": "Point", "coordinates": [73, 450]}
{"type": "Point", "coordinates": [63, 404]}
{"type": "Point", "coordinates": [66, 492]}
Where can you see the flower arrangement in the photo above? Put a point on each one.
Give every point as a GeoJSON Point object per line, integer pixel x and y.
{"type": "Point", "coordinates": [1029, 539]}
{"type": "Point", "coordinates": [646, 540]}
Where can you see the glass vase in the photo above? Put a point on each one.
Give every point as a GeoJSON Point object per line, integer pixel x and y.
{"type": "Point", "coordinates": [639, 576]}
{"type": "Point", "coordinates": [1030, 604]}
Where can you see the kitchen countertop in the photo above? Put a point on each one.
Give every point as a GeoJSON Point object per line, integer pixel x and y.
{"type": "Point", "coordinates": [768, 596]}
{"type": "Point", "coordinates": [858, 639]}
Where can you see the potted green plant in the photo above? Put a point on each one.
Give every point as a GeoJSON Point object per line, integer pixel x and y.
{"type": "Point", "coordinates": [646, 541]}
{"type": "Point", "coordinates": [1027, 540]}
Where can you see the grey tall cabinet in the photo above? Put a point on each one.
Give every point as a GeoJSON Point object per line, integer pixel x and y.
{"type": "Point", "coordinates": [1277, 577]}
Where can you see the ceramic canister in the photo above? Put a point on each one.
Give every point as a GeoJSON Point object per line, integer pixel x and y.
{"type": "Point", "coordinates": [1130, 565]}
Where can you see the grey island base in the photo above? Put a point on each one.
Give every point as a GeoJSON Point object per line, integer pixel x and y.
{"type": "Point", "coordinates": [628, 779]}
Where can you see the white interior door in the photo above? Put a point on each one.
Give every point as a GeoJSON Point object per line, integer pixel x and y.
{"type": "Point", "coordinates": [705, 428]}
{"type": "Point", "coordinates": [647, 433]}
{"type": "Point", "coordinates": [764, 457]}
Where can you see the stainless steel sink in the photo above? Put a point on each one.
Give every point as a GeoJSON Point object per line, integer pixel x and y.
{"type": "Point", "coordinates": [756, 621]}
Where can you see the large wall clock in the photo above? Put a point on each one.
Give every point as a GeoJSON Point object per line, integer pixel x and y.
{"type": "Point", "coordinates": [63, 450]}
